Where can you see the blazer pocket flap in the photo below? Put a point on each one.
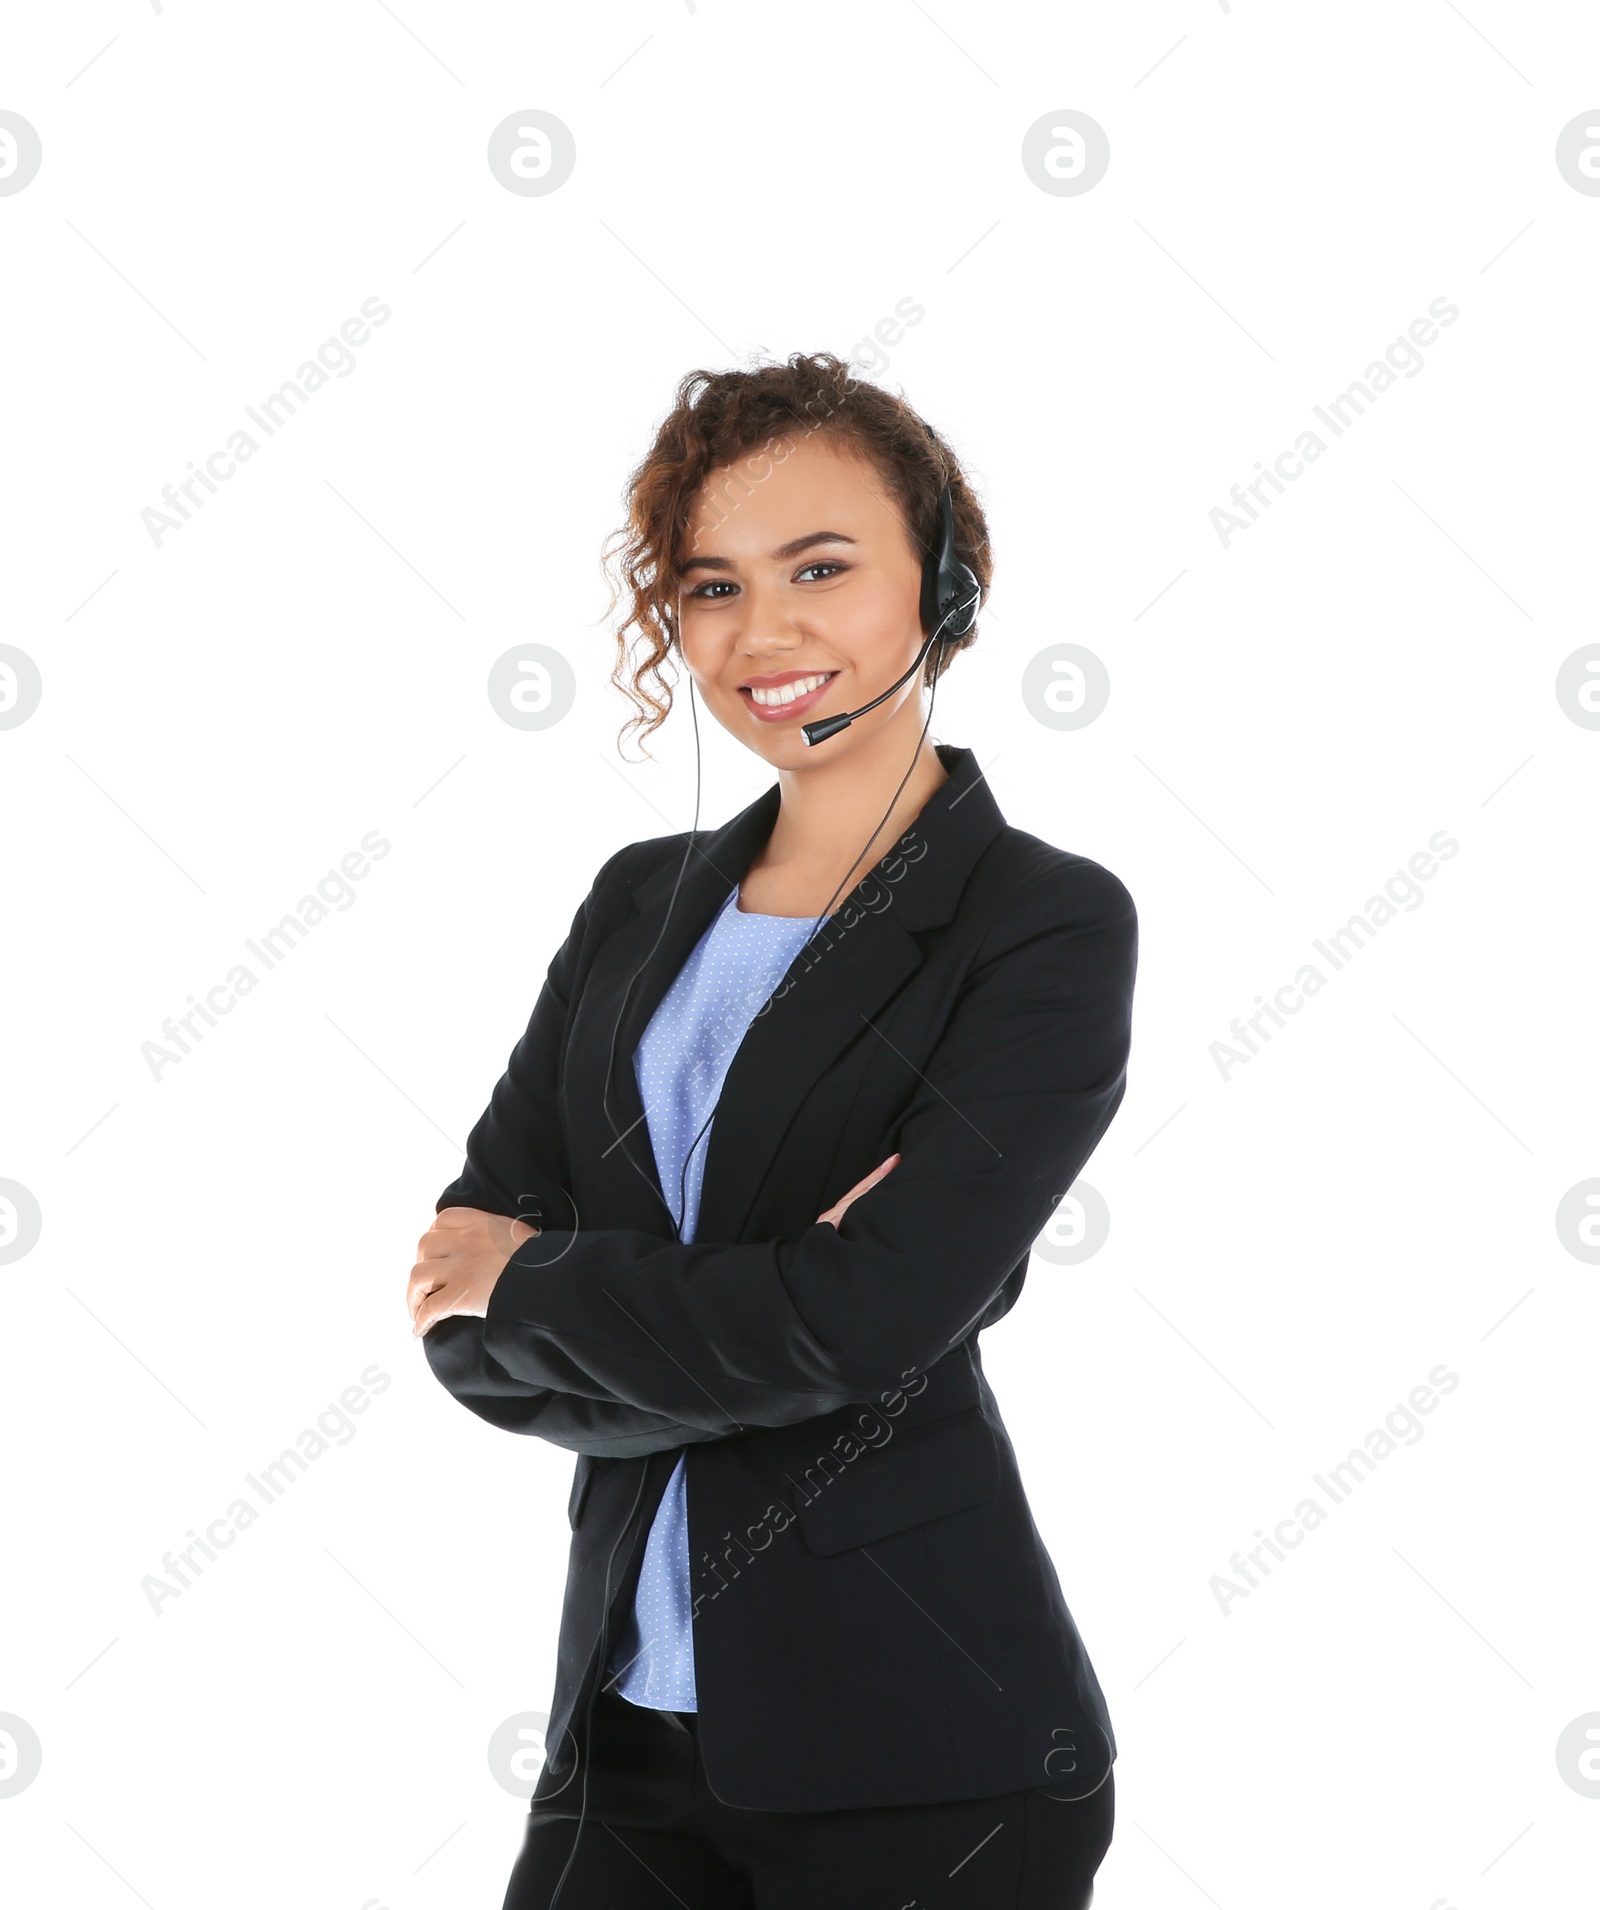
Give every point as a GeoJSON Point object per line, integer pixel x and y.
{"type": "Point", "coordinates": [921, 1474]}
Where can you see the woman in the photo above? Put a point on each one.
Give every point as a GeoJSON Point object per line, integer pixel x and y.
{"type": "Point", "coordinates": [813, 1651]}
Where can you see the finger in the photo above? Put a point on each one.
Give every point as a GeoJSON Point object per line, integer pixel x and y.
{"type": "Point", "coordinates": [434, 1307]}
{"type": "Point", "coordinates": [425, 1274]}
{"type": "Point", "coordinates": [872, 1179]}
{"type": "Point", "coordinates": [446, 1233]}
{"type": "Point", "coordinates": [466, 1230]}
{"type": "Point", "coordinates": [423, 1281]}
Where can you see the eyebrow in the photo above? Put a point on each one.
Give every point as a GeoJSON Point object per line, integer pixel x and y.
{"type": "Point", "coordinates": [792, 549]}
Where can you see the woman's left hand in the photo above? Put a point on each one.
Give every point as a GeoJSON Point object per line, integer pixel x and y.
{"type": "Point", "coordinates": [834, 1214]}
{"type": "Point", "coordinates": [458, 1261]}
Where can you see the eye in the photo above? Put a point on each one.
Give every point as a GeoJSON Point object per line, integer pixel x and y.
{"type": "Point", "coordinates": [714, 583]}
{"type": "Point", "coordinates": [822, 563]}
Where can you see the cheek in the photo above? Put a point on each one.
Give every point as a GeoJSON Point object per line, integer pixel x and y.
{"type": "Point", "coordinates": [700, 648]}
{"type": "Point", "coordinates": [870, 622]}
{"type": "Point", "coordinates": [708, 655]}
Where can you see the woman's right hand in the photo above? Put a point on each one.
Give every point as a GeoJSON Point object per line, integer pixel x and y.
{"type": "Point", "coordinates": [459, 1260]}
{"type": "Point", "coordinates": [836, 1212]}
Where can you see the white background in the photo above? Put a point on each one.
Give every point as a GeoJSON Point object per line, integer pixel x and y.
{"type": "Point", "coordinates": [1292, 716]}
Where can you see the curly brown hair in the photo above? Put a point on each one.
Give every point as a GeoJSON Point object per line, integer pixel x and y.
{"type": "Point", "coordinates": [718, 416]}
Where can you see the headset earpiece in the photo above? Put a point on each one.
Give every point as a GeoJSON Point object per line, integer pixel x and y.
{"type": "Point", "coordinates": [950, 591]}
{"type": "Point", "coordinates": [949, 607]}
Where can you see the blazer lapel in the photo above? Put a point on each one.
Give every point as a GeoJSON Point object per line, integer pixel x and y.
{"type": "Point", "coordinates": [857, 961]}
{"type": "Point", "coordinates": [632, 971]}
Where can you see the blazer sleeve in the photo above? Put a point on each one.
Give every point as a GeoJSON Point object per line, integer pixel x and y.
{"type": "Point", "coordinates": [605, 1428]}
{"type": "Point", "coordinates": [1025, 1079]}
{"type": "Point", "coordinates": [529, 1182]}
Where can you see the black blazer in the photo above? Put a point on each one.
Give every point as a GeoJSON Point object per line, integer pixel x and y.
{"type": "Point", "coordinates": [876, 1618]}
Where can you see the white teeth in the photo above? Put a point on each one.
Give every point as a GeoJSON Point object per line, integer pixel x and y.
{"type": "Point", "coordinates": [787, 692]}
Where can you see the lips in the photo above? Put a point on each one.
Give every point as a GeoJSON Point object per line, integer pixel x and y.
{"type": "Point", "coordinates": [787, 694]}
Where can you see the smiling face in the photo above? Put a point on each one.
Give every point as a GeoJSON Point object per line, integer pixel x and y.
{"type": "Point", "coordinates": [801, 591]}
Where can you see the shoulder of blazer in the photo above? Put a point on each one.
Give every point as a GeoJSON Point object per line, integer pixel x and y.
{"type": "Point", "coordinates": [622, 872]}
{"type": "Point", "coordinates": [609, 903]}
{"type": "Point", "coordinates": [634, 861]}
{"type": "Point", "coordinates": [1029, 887]}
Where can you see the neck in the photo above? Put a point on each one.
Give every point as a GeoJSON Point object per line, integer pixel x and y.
{"type": "Point", "coordinates": [828, 808]}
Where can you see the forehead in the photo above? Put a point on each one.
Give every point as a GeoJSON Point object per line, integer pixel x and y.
{"type": "Point", "coordinates": [770, 495]}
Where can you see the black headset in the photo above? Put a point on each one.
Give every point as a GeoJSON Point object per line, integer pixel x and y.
{"type": "Point", "coordinates": [948, 608]}
{"type": "Point", "coordinates": [950, 595]}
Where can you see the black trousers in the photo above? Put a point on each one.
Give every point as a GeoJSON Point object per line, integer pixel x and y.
{"type": "Point", "coordinates": [657, 1838]}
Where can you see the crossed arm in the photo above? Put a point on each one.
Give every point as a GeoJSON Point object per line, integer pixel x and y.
{"type": "Point", "coordinates": [459, 1260]}
{"type": "Point", "coordinates": [615, 1342]}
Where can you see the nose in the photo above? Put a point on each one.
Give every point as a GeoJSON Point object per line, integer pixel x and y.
{"type": "Point", "coordinates": [767, 627]}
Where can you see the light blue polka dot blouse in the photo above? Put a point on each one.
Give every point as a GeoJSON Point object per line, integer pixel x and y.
{"type": "Point", "coordinates": [680, 1065]}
